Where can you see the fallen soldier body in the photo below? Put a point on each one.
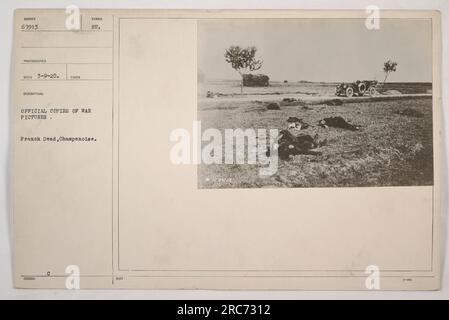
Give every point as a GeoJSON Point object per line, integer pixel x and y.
{"type": "Point", "coordinates": [337, 122]}
{"type": "Point", "coordinates": [290, 145]}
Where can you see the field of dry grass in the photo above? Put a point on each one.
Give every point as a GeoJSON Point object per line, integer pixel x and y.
{"type": "Point", "coordinates": [392, 148]}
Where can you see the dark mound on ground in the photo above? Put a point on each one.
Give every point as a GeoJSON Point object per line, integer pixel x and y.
{"type": "Point", "coordinates": [333, 102]}
{"type": "Point", "coordinates": [273, 106]}
{"type": "Point", "coordinates": [337, 122]}
{"type": "Point", "coordinates": [292, 102]}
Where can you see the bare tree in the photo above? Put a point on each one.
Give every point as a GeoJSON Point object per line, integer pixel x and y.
{"type": "Point", "coordinates": [389, 67]}
{"type": "Point", "coordinates": [242, 60]}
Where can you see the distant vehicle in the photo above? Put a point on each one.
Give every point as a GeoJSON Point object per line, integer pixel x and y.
{"type": "Point", "coordinates": [358, 88]}
{"type": "Point", "coordinates": [256, 80]}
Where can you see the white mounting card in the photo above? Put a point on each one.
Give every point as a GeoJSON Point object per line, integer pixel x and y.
{"type": "Point", "coordinates": [247, 149]}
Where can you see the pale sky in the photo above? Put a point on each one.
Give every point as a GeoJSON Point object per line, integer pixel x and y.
{"type": "Point", "coordinates": [329, 50]}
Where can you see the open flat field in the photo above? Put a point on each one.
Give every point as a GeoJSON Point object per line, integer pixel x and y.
{"type": "Point", "coordinates": [393, 146]}
{"type": "Point", "coordinates": [231, 88]}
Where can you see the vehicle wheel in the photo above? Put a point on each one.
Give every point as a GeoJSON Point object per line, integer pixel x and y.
{"type": "Point", "coordinates": [372, 91]}
{"type": "Point", "coordinates": [349, 92]}
{"type": "Point", "coordinates": [362, 89]}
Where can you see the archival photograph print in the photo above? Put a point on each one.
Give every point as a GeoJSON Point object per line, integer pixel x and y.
{"type": "Point", "coordinates": [296, 103]}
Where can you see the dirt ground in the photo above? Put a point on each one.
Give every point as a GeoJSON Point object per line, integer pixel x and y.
{"type": "Point", "coordinates": [392, 148]}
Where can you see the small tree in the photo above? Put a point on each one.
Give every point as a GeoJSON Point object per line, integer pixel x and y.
{"type": "Point", "coordinates": [242, 60]}
{"type": "Point", "coordinates": [389, 67]}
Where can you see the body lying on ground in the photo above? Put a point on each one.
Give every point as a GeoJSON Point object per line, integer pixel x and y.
{"type": "Point", "coordinates": [337, 122]}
